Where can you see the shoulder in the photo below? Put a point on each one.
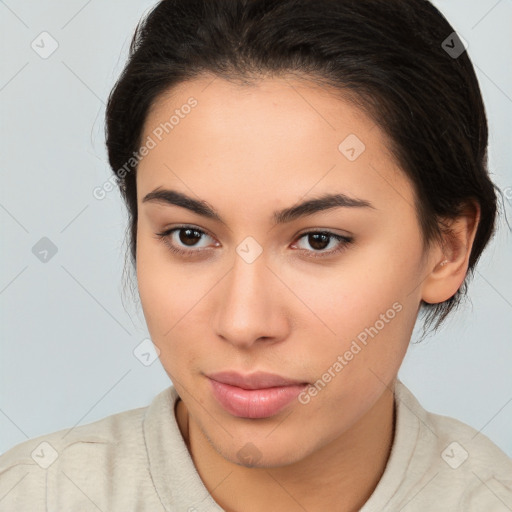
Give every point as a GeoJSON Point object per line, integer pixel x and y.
{"type": "Point", "coordinates": [458, 461]}
{"type": "Point", "coordinates": [74, 463]}
{"type": "Point", "coordinates": [45, 450]}
{"type": "Point", "coordinates": [472, 463]}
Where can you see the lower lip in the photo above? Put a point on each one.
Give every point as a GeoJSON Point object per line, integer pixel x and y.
{"type": "Point", "coordinates": [254, 403]}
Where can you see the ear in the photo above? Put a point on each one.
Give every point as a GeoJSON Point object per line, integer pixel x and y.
{"type": "Point", "coordinates": [452, 259]}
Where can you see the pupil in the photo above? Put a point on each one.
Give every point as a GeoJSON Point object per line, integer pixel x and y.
{"type": "Point", "coordinates": [189, 235]}
{"type": "Point", "coordinates": [319, 240]}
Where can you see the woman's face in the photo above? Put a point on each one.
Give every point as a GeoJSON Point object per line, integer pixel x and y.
{"type": "Point", "coordinates": [259, 288]}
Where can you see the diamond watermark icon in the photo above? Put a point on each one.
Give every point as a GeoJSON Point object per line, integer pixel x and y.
{"type": "Point", "coordinates": [352, 147]}
{"type": "Point", "coordinates": [249, 454]}
{"type": "Point", "coordinates": [507, 192]}
{"type": "Point", "coordinates": [44, 45]}
{"type": "Point", "coordinates": [454, 455]}
{"type": "Point", "coordinates": [45, 455]}
{"type": "Point", "coordinates": [146, 352]}
{"type": "Point", "coordinates": [249, 249]}
{"type": "Point", "coordinates": [454, 45]}
{"type": "Point", "coordinates": [44, 250]}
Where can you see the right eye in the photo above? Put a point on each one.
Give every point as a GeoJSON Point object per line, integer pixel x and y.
{"type": "Point", "coordinates": [179, 238]}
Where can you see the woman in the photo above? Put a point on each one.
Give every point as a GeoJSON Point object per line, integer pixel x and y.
{"type": "Point", "coordinates": [303, 178]}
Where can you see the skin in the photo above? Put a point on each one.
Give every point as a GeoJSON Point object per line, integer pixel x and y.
{"type": "Point", "coordinates": [248, 151]}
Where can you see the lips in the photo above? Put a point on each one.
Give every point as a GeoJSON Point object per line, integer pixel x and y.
{"type": "Point", "coordinates": [258, 380]}
{"type": "Point", "coordinates": [256, 395]}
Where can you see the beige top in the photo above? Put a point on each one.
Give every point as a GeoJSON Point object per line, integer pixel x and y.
{"type": "Point", "coordinates": [137, 461]}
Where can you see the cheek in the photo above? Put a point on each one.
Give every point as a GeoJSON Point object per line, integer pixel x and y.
{"type": "Point", "coordinates": [347, 298]}
{"type": "Point", "coordinates": [154, 285]}
{"type": "Point", "coordinates": [373, 321]}
{"type": "Point", "coordinates": [162, 294]}
{"type": "Point", "coordinates": [371, 329]}
{"type": "Point", "coordinates": [172, 296]}
{"type": "Point", "coordinates": [364, 310]}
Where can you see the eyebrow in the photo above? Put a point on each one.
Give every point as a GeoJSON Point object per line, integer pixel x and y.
{"type": "Point", "coordinates": [305, 208]}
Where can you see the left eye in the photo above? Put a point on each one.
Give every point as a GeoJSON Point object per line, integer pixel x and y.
{"type": "Point", "coordinates": [322, 240]}
{"type": "Point", "coordinates": [184, 240]}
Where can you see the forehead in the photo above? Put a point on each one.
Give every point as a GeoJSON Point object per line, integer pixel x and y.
{"type": "Point", "coordinates": [286, 108]}
{"type": "Point", "coordinates": [284, 135]}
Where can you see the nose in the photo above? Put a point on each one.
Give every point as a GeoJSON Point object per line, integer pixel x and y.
{"type": "Point", "coordinates": [250, 305]}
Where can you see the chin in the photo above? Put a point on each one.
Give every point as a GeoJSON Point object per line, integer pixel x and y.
{"type": "Point", "coordinates": [262, 453]}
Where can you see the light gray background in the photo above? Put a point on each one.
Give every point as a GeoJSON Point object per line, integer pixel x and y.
{"type": "Point", "coordinates": [67, 337]}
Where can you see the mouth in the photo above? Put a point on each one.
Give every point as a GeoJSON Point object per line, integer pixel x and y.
{"type": "Point", "coordinates": [256, 395]}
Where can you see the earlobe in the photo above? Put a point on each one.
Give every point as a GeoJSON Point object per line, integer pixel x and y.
{"type": "Point", "coordinates": [449, 271]}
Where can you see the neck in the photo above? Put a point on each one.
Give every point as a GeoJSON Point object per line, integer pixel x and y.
{"type": "Point", "coordinates": [340, 476]}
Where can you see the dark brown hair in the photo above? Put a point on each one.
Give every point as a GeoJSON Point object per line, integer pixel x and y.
{"type": "Point", "coordinates": [400, 60]}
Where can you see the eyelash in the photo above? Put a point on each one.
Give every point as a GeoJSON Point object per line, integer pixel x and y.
{"type": "Point", "coordinates": [345, 242]}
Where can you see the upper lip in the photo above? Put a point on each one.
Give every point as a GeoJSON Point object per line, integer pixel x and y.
{"type": "Point", "coordinates": [257, 380]}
